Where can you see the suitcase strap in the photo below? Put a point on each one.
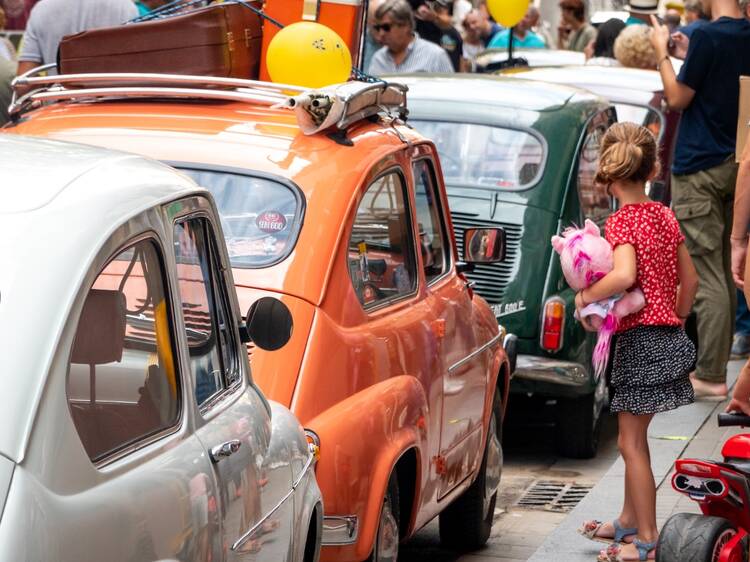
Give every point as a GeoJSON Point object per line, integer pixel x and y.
{"type": "Point", "coordinates": [177, 6]}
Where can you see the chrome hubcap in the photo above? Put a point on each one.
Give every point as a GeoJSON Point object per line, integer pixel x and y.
{"type": "Point", "coordinates": [494, 464]}
{"type": "Point", "coordinates": [386, 548]}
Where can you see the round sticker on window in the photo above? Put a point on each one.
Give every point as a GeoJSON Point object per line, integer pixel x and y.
{"type": "Point", "coordinates": [270, 222]}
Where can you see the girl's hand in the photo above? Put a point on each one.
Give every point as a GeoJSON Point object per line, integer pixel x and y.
{"type": "Point", "coordinates": [736, 405]}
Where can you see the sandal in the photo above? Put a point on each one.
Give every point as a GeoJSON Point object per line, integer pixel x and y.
{"type": "Point", "coordinates": [612, 554]}
{"type": "Point", "coordinates": [591, 528]}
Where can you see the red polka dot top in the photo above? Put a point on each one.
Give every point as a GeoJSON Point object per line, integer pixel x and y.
{"type": "Point", "coordinates": [652, 229]}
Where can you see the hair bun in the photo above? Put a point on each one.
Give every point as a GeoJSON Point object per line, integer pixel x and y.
{"type": "Point", "coordinates": [628, 152]}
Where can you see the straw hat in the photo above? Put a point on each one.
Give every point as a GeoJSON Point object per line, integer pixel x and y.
{"type": "Point", "coordinates": [643, 6]}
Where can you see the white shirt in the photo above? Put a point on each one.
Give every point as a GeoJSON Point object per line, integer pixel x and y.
{"type": "Point", "coordinates": [51, 20]}
{"type": "Point", "coordinates": [421, 56]}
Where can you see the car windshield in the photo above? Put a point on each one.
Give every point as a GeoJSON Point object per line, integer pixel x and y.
{"type": "Point", "coordinates": [485, 156]}
{"type": "Point", "coordinates": [646, 116]}
{"type": "Point", "coordinates": [260, 217]}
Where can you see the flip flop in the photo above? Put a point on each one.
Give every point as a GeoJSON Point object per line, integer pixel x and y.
{"type": "Point", "coordinates": [589, 530]}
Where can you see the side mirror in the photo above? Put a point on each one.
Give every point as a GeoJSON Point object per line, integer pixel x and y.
{"type": "Point", "coordinates": [658, 191]}
{"type": "Point", "coordinates": [484, 245]}
{"type": "Point", "coordinates": [268, 324]}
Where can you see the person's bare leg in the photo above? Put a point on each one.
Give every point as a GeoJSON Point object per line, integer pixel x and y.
{"type": "Point", "coordinates": [641, 488]}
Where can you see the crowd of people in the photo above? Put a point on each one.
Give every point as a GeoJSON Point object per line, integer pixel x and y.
{"type": "Point", "coordinates": [403, 33]}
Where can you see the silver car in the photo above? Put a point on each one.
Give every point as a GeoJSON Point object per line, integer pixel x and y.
{"type": "Point", "coordinates": [130, 428]}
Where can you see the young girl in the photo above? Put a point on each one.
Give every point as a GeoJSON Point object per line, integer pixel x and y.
{"type": "Point", "coordinates": [653, 355]}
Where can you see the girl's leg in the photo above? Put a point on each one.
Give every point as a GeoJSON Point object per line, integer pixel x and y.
{"type": "Point", "coordinates": [640, 487]}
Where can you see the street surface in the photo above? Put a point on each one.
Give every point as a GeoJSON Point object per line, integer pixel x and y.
{"type": "Point", "coordinates": [529, 457]}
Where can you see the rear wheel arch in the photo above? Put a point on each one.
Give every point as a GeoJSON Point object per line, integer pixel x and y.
{"type": "Point", "coordinates": [407, 474]}
{"type": "Point", "coordinates": [314, 535]}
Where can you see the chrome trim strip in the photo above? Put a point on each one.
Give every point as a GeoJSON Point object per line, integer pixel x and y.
{"type": "Point", "coordinates": [240, 541]}
{"type": "Point", "coordinates": [339, 530]}
{"type": "Point", "coordinates": [474, 353]}
{"type": "Point", "coordinates": [544, 369]}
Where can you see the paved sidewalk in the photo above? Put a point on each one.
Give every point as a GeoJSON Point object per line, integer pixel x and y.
{"type": "Point", "coordinates": [688, 431]}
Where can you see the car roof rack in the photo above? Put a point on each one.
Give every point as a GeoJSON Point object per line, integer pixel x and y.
{"type": "Point", "coordinates": [334, 107]}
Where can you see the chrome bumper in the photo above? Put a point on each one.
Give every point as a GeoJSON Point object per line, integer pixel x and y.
{"type": "Point", "coordinates": [545, 369]}
{"type": "Point", "coordinates": [340, 530]}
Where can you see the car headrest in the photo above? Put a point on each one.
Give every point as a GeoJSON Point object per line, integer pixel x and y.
{"type": "Point", "coordinates": [101, 329]}
{"type": "Point", "coordinates": [395, 233]}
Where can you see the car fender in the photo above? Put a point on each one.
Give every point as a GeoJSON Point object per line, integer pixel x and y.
{"type": "Point", "coordinates": [289, 445]}
{"type": "Point", "coordinates": [361, 440]}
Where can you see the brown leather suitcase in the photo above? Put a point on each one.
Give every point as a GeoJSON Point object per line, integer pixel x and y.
{"type": "Point", "coordinates": [220, 40]}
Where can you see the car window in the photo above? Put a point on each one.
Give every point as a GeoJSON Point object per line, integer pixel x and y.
{"type": "Point", "coordinates": [260, 217]}
{"type": "Point", "coordinates": [596, 203]}
{"type": "Point", "coordinates": [381, 249]}
{"type": "Point", "coordinates": [122, 383]}
{"type": "Point", "coordinates": [208, 331]}
{"type": "Point", "coordinates": [641, 114]}
{"type": "Point", "coordinates": [433, 243]}
{"type": "Point", "coordinates": [485, 156]}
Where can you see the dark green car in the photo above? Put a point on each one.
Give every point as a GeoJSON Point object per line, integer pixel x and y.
{"type": "Point", "coordinates": [522, 155]}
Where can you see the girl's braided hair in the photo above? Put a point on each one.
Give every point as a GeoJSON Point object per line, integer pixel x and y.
{"type": "Point", "coordinates": [628, 152]}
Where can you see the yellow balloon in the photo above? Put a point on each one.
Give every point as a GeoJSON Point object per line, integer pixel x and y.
{"type": "Point", "coordinates": [507, 12]}
{"type": "Point", "coordinates": [308, 54]}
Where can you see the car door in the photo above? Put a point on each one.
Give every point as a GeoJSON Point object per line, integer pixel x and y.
{"type": "Point", "coordinates": [463, 371]}
{"type": "Point", "coordinates": [144, 491]}
{"type": "Point", "coordinates": [234, 421]}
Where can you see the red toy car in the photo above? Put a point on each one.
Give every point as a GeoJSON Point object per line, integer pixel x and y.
{"type": "Point", "coordinates": [722, 489]}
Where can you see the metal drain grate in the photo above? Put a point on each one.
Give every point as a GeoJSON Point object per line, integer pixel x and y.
{"type": "Point", "coordinates": [552, 496]}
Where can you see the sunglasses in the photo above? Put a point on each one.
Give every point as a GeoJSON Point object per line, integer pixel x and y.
{"type": "Point", "coordinates": [384, 26]}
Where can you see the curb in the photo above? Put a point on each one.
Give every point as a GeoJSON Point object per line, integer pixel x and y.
{"type": "Point", "coordinates": [669, 434]}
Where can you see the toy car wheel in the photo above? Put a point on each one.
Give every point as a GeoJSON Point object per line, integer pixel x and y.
{"type": "Point", "coordinates": [466, 523]}
{"type": "Point", "coordinates": [698, 538]}
{"type": "Point", "coordinates": [387, 538]}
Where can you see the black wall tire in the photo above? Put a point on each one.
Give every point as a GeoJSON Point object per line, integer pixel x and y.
{"type": "Point", "coordinates": [578, 427]}
{"type": "Point", "coordinates": [387, 537]}
{"type": "Point", "coordinates": [466, 524]}
{"type": "Point", "coordinates": [687, 537]}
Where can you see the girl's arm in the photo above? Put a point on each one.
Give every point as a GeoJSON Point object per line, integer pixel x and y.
{"type": "Point", "coordinates": [620, 279]}
{"type": "Point", "coordinates": [741, 395]}
{"type": "Point", "coordinates": [688, 283]}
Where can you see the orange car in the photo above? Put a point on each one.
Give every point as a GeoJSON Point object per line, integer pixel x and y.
{"type": "Point", "coordinates": [394, 365]}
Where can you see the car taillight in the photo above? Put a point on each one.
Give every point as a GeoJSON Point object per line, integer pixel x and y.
{"type": "Point", "coordinates": [553, 324]}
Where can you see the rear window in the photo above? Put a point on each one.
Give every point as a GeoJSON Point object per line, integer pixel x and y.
{"type": "Point", "coordinates": [641, 114]}
{"type": "Point", "coordinates": [260, 217]}
{"type": "Point", "coordinates": [485, 156]}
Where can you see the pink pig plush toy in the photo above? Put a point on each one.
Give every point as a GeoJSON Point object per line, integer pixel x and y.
{"type": "Point", "coordinates": [585, 258]}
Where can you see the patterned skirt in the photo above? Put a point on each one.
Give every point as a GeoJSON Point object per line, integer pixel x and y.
{"type": "Point", "coordinates": [650, 370]}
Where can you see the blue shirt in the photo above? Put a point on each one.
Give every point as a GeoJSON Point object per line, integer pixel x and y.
{"type": "Point", "coordinates": [142, 9]}
{"type": "Point", "coordinates": [530, 41]}
{"type": "Point", "coordinates": [689, 28]}
{"type": "Point", "coordinates": [716, 58]}
{"type": "Point", "coordinates": [495, 29]}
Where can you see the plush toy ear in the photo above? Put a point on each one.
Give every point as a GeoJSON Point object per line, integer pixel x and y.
{"type": "Point", "coordinates": [558, 243]}
{"type": "Point", "coordinates": [591, 228]}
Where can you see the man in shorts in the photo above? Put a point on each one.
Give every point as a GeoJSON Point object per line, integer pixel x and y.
{"type": "Point", "coordinates": [704, 172]}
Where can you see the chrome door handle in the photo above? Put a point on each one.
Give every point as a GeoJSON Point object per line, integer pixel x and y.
{"type": "Point", "coordinates": [224, 450]}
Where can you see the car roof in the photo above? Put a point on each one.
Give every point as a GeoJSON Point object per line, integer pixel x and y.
{"type": "Point", "coordinates": [616, 83]}
{"type": "Point", "coordinates": [61, 202]}
{"type": "Point", "coordinates": [245, 138]}
{"type": "Point", "coordinates": [489, 89]}
{"type": "Point", "coordinates": [534, 57]}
